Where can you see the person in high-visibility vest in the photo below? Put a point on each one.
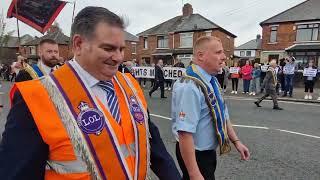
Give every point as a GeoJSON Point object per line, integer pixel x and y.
{"type": "Point", "coordinates": [84, 120]}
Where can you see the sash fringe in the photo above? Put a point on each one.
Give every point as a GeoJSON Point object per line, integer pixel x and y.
{"type": "Point", "coordinates": [81, 149]}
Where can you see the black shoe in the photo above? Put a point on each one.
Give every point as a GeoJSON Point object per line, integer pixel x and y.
{"type": "Point", "coordinates": [290, 95]}
{"type": "Point", "coordinates": [277, 108]}
{"type": "Point", "coordinates": [150, 94]}
{"type": "Point", "coordinates": [258, 105]}
{"type": "Point", "coordinates": [163, 97]}
{"type": "Point", "coordinates": [285, 95]}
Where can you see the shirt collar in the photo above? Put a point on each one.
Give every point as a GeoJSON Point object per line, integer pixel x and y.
{"type": "Point", "coordinates": [44, 67]}
{"type": "Point", "coordinates": [205, 75]}
{"type": "Point", "coordinates": [88, 78]}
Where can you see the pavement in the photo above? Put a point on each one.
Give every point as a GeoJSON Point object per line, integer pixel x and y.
{"type": "Point", "coordinates": [283, 144]}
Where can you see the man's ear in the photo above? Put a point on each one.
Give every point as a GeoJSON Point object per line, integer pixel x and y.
{"type": "Point", "coordinates": [77, 42]}
{"type": "Point", "coordinates": [200, 56]}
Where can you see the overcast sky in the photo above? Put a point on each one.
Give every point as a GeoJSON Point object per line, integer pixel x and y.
{"type": "Point", "coordinates": [240, 17]}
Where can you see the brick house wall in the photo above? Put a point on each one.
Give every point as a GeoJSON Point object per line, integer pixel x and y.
{"type": "Point", "coordinates": [129, 53]}
{"type": "Point", "coordinates": [227, 42]}
{"type": "Point", "coordinates": [286, 37]}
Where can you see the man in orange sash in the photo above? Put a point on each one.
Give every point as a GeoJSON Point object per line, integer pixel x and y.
{"type": "Point", "coordinates": [85, 120]}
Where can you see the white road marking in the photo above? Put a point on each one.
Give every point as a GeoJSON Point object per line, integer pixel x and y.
{"type": "Point", "coordinates": [292, 132]}
{"type": "Point", "coordinates": [253, 127]}
{"type": "Point", "coordinates": [254, 99]}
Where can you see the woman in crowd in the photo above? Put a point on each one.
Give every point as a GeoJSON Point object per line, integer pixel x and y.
{"type": "Point", "coordinates": [309, 81]}
{"type": "Point", "coordinates": [246, 72]}
{"type": "Point", "coordinates": [255, 82]}
{"type": "Point", "coordinates": [235, 78]}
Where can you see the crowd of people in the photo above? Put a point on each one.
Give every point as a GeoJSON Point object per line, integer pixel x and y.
{"type": "Point", "coordinates": [253, 74]}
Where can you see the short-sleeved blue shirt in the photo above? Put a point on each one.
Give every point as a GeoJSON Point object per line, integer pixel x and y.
{"type": "Point", "coordinates": [190, 113]}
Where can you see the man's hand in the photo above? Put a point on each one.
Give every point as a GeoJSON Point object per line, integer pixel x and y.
{"type": "Point", "coordinates": [196, 177]}
{"type": "Point", "coordinates": [243, 150]}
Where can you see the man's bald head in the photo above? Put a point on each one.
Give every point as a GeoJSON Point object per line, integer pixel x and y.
{"type": "Point", "coordinates": [209, 54]}
{"type": "Point", "coordinates": [273, 63]}
{"type": "Point", "coordinates": [202, 43]}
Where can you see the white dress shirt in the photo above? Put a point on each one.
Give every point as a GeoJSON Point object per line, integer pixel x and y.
{"type": "Point", "coordinates": [91, 83]}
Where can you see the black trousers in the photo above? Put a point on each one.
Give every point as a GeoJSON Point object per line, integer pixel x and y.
{"type": "Point", "coordinates": [158, 84]}
{"type": "Point", "coordinates": [309, 86]}
{"type": "Point", "coordinates": [235, 82]}
{"type": "Point", "coordinates": [206, 160]}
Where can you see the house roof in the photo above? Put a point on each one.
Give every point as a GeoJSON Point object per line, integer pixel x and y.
{"type": "Point", "coordinates": [254, 44]}
{"type": "Point", "coordinates": [305, 11]}
{"type": "Point", "coordinates": [58, 36]}
{"type": "Point", "coordinates": [62, 39]}
{"type": "Point", "coordinates": [193, 22]}
{"type": "Point", "coordinates": [304, 47]}
{"type": "Point", "coordinates": [13, 41]}
{"type": "Point", "coordinates": [131, 37]}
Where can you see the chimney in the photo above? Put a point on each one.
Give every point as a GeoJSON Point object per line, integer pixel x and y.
{"type": "Point", "coordinates": [258, 36]}
{"type": "Point", "coordinates": [187, 10]}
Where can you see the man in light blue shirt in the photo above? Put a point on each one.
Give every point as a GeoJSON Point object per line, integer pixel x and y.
{"type": "Point", "coordinates": [193, 125]}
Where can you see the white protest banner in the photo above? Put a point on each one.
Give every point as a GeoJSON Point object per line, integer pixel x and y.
{"type": "Point", "coordinates": [149, 72]}
{"type": "Point", "coordinates": [144, 72]}
{"type": "Point", "coordinates": [310, 72]}
{"type": "Point", "coordinates": [234, 70]}
{"type": "Point", "coordinates": [264, 68]}
{"type": "Point", "coordinates": [173, 72]}
{"type": "Point", "coordinates": [288, 70]}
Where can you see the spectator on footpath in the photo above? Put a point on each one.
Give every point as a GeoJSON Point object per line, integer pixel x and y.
{"type": "Point", "coordinates": [269, 83]}
{"type": "Point", "coordinates": [200, 132]}
{"type": "Point", "coordinates": [309, 81]}
{"type": "Point", "coordinates": [168, 81]}
{"type": "Point", "coordinates": [289, 70]}
{"type": "Point", "coordinates": [255, 82]}
{"type": "Point", "coordinates": [235, 78]}
{"type": "Point", "coordinates": [16, 67]}
{"type": "Point", "coordinates": [263, 74]}
{"type": "Point", "coordinates": [226, 76]}
{"type": "Point", "coordinates": [281, 78]}
{"type": "Point", "coordinates": [246, 72]}
{"type": "Point", "coordinates": [220, 76]}
{"type": "Point", "coordinates": [179, 64]}
{"type": "Point", "coordinates": [143, 81]}
{"type": "Point", "coordinates": [152, 79]}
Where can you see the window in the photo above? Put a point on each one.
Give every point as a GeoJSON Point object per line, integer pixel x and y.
{"type": "Point", "coordinates": [273, 34]}
{"type": "Point", "coordinates": [163, 41]}
{"type": "Point", "coordinates": [242, 53]}
{"type": "Point", "coordinates": [186, 40]}
{"type": "Point", "coordinates": [145, 43]}
{"type": "Point", "coordinates": [307, 32]}
{"type": "Point", "coordinates": [134, 48]}
{"type": "Point", "coordinates": [208, 33]}
{"type": "Point", "coordinates": [248, 53]}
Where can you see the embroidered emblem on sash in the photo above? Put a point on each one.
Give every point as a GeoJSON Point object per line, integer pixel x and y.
{"type": "Point", "coordinates": [90, 121]}
{"type": "Point", "coordinates": [136, 110]}
{"type": "Point", "coordinates": [213, 100]}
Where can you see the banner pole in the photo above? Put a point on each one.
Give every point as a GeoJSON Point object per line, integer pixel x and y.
{"type": "Point", "coordinates": [18, 29]}
{"type": "Point", "coordinates": [70, 38]}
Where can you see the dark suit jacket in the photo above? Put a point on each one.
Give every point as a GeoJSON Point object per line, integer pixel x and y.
{"type": "Point", "coordinates": [23, 153]}
{"type": "Point", "coordinates": [23, 75]}
{"type": "Point", "coordinates": [159, 76]}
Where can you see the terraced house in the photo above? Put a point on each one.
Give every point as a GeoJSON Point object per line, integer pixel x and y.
{"type": "Point", "coordinates": [293, 32]}
{"type": "Point", "coordinates": [174, 39]}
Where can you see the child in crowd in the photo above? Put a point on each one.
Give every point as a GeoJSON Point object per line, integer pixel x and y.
{"type": "Point", "coordinates": [235, 78]}
{"type": "Point", "coordinates": [255, 82]}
